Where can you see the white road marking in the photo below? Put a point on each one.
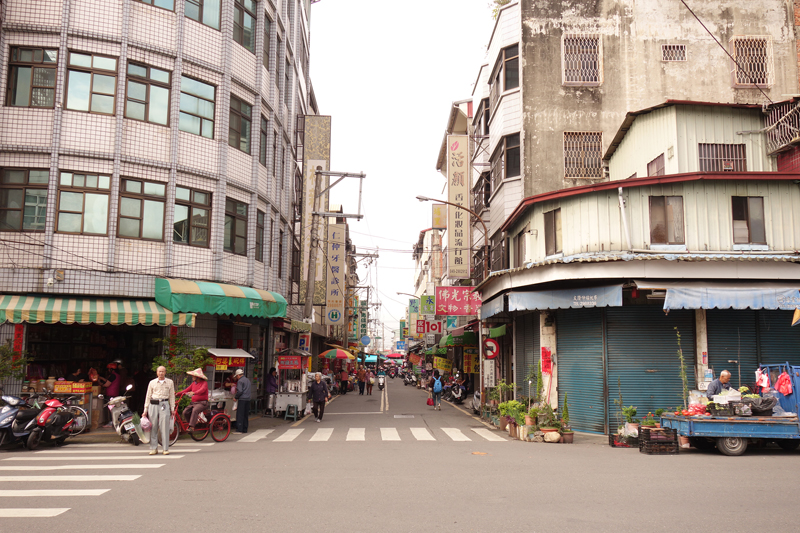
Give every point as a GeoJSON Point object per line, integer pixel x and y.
{"type": "Point", "coordinates": [322, 435]}
{"type": "Point", "coordinates": [256, 435]}
{"type": "Point", "coordinates": [422, 434]}
{"type": "Point", "coordinates": [33, 493]}
{"type": "Point", "coordinates": [31, 513]}
{"type": "Point", "coordinates": [185, 450]}
{"type": "Point", "coordinates": [69, 478]}
{"type": "Point", "coordinates": [290, 435]}
{"type": "Point", "coordinates": [99, 458]}
{"type": "Point", "coordinates": [355, 434]}
{"type": "Point", "coordinates": [389, 434]}
{"type": "Point", "coordinates": [456, 434]}
{"type": "Point", "coordinates": [76, 467]}
{"type": "Point", "coordinates": [125, 445]}
{"type": "Point", "coordinates": [489, 435]}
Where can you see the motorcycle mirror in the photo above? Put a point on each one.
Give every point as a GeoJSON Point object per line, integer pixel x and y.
{"type": "Point", "coordinates": [100, 396]}
{"type": "Point", "coordinates": [129, 387]}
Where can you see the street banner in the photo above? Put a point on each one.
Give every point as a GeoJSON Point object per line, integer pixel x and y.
{"type": "Point", "coordinates": [459, 301]}
{"type": "Point", "coordinates": [471, 361]}
{"type": "Point", "coordinates": [363, 319]}
{"type": "Point", "coordinates": [459, 242]}
{"type": "Point", "coordinates": [413, 305]}
{"type": "Point", "coordinates": [335, 283]}
{"type": "Point", "coordinates": [405, 332]}
{"type": "Point", "coordinates": [427, 305]}
{"type": "Point", "coordinates": [352, 313]}
{"type": "Point", "coordinates": [439, 216]}
{"type": "Point", "coordinates": [441, 363]}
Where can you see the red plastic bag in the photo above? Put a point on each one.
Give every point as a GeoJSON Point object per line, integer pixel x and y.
{"type": "Point", "coordinates": [430, 401]}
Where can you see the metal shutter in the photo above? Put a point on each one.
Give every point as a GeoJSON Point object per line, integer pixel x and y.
{"type": "Point", "coordinates": [732, 336]}
{"type": "Point", "coordinates": [527, 350]}
{"type": "Point", "coordinates": [581, 372]}
{"type": "Point", "coordinates": [779, 341]}
{"type": "Point", "coordinates": [642, 353]}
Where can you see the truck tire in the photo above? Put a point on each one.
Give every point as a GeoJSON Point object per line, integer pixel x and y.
{"type": "Point", "coordinates": [732, 446]}
{"type": "Point", "coordinates": [789, 445]}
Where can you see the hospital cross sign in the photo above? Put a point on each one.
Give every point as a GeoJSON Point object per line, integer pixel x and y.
{"type": "Point", "coordinates": [457, 301]}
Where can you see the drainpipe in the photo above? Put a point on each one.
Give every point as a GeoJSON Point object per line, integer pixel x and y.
{"type": "Point", "coordinates": [624, 218]}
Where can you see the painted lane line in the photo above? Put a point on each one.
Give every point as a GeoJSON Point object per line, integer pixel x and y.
{"type": "Point", "coordinates": [355, 413]}
{"type": "Point", "coordinates": [322, 435]}
{"type": "Point", "coordinates": [456, 434]}
{"type": "Point", "coordinates": [124, 445]}
{"type": "Point", "coordinates": [32, 513]}
{"type": "Point", "coordinates": [386, 393]}
{"type": "Point", "coordinates": [76, 467]}
{"type": "Point", "coordinates": [489, 435]}
{"type": "Point", "coordinates": [356, 434]}
{"type": "Point", "coordinates": [50, 452]}
{"type": "Point", "coordinates": [68, 493]}
{"type": "Point", "coordinates": [99, 458]}
{"type": "Point", "coordinates": [383, 400]}
{"type": "Point", "coordinates": [290, 435]}
{"type": "Point", "coordinates": [256, 435]}
{"type": "Point", "coordinates": [69, 478]}
{"type": "Point", "coordinates": [389, 434]}
{"type": "Point", "coordinates": [422, 434]}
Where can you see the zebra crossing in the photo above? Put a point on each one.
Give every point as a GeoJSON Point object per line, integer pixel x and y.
{"type": "Point", "coordinates": [22, 474]}
{"type": "Point", "coordinates": [383, 434]}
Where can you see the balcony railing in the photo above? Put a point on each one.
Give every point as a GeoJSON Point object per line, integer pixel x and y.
{"type": "Point", "coordinates": [783, 127]}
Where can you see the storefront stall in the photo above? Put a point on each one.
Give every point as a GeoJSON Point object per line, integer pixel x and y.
{"type": "Point", "coordinates": [220, 376]}
{"type": "Point", "coordinates": [292, 381]}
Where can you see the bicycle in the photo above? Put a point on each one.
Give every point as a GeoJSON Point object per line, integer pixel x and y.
{"type": "Point", "coordinates": [216, 422]}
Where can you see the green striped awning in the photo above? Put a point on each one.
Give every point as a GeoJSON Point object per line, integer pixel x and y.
{"type": "Point", "coordinates": [180, 295]}
{"type": "Point", "coordinates": [467, 339]}
{"type": "Point", "coordinates": [17, 309]}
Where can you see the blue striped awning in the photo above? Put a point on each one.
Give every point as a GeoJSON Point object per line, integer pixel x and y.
{"type": "Point", "coordinates": [731, 298]}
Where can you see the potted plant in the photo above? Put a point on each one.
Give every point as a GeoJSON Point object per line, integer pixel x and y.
{"type": "Point", "coordinates": [532, 416]}
{"type": "Point", "coordinates": [567, 435]}
{"type": "Point", "coordinates": [503, 410]}
{"type": "Point", "coordinates": [493, 396]}
{"type": "Point", "coordinates": [630, 417]}
{"type": "Point", "coordinates": [648, 421]}
{"type": "Point", "coordinates": [548, 420]}
{"type": "Point", "coordinates": [659, 412]}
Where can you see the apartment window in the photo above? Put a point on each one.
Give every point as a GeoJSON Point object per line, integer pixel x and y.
{"type": "Point", "coordinates": [260, 236]}
{"type": "Point", "coordinates": [280, 165]}
{"type": "Point", "coordinates": [656, 166]}
{"type": "Point", "coordinates": [520, 248]}
{"type": "Point", "coordinates": [552, 232]}
{"type": "Point", "coordinates": [203, 11]}
{"type": "Point", "coordinates": [235, 238]}
{"type": "Point", "coordinates": [748, 220]}
{"type": "Point", "coordinates": [262, 141]}
{"type": "Point", "coordinates": [506, 160]}
{"type": "Point", "coordinates": [280, 254]}
{"type": "Point", "coordinates": [239, 127]}
{"type": "Point", "coordinates": [753, 61]}
{"type": "Point", "coordinates": [244, 22]}
{"type": "Point", "coordinates": [23, 199]}
{"type": "Point", "coordinates": [267, 26]}
{"type": "Point", "coordinates": [163, 4]}
{"type": "Point", "coordinates": [147, 97]}
{"type": "Point", "coordinates": [722, 157]}
{"type": "Point", "coordinates": [197, 107]}
{"type": "Point", "coordinates": [583, 156]}
{"type": "Point", "coordinates": [673, 52]}
{"type": "Point", "coordinates": [192, 217]}
{"type": "Point", "coordinates": [270, 241]}
{"type": "Point", "coordinates": [666, 220]}
{"type": "Point", "coordinates": [32, 77]}
{"type": "Point", "coordinates": [288, 83]}
{"type": "Point", "coordinates": [482, 118]}
{"type": "Point", "coordinates": [506, 73]}
{"type": "Point", "coordinates": [83, 203]}
{"type": "Point", "coordinates": [582, 60]}
{"type": "Point", "coordinates": [91, 83]}
{"type": "Point", "coordinates": [141, 210]}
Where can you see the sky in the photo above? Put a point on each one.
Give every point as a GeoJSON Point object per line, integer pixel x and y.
{"type": "Point", "coordinates": [387, 73]}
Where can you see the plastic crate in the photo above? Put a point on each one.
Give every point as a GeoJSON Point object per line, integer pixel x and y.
{"type": "Point", "coordinates": [618, 441]}
{"type": "Point", "coordinates": [656, 436]}
{"type": "Point", "coordinates": [658, 447]}
{"type": "Point", "coordinates": [722, 410]}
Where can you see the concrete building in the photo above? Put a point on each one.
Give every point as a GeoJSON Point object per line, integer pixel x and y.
{"type": "Point", "coordinates": [145, 141]}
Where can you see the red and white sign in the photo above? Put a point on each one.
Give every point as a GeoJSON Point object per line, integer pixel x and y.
{"type": "Point", "coordinates": [429, 326]}
{"type": "Point", "coordinates": [289, 362]}
{"type": "Point", "coordinates": [491, 348]}
{"type": "Point", "coordinates": [459, 301]}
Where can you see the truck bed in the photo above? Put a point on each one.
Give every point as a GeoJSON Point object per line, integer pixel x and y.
{"type": "Point", "coordinates": [755, 427]}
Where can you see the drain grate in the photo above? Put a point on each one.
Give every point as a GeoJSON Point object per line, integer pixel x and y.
{"type": "Point", "coordinates": [404, 416]}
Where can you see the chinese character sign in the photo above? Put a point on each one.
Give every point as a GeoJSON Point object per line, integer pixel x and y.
{"type": "Point", "coordinates": [427, 305]}
{"type": "Point", "coordinates": [413, 305]}
{"type": "Point", "coordinates": [439, 216]}
{"type": "Point", "coordinates": [459, 241]}
{"type": "Point", "coordinates": [471, 361]}
{"type": "Point", "coordinates": [335, 282]}
{"type": "Point", "coordinates": [363, 319]}
{"type": "Point", "coordinates": [352, 313]}
{"type": "Point", "coordinates": [457, 301]}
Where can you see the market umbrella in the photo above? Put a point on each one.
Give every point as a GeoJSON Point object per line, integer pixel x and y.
{"type": "Point", "coordinates": [796, 317]}
{"type": "Point", "coordinates": [336, 354]}
{"type": "Point", "coordinates": [395, 356]}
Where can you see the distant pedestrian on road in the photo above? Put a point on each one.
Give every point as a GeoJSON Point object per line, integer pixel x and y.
{"type": "Point", "coordinates": [345, 381]}
{"type": "Point", "coordinates": [319, 395]}
{"type": "Point", "coordinates": [370, 381]}
{"type": "Point", "coordinates": [438, 387]}
{"type": "Point", "coordinates": [243, 396]}
{"type": "Point", "coordinates": [159, 404]}
{"type": "Point", "coordinates": [361, 376]}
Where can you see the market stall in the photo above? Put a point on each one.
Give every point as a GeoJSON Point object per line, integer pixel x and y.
{"type": "Point", "coordinates": [220, 375]}
{"type": "Point", "coordinates": [292, 382]}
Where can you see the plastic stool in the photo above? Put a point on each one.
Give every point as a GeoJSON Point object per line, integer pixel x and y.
{"type": "Point", "coordinates": [293, 409]}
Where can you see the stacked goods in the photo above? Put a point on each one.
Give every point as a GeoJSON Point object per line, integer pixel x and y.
{"type": "Point", "coordinates": [658, 441]}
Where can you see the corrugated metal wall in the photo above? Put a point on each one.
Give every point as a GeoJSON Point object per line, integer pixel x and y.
{"type": "Point", "coordinates": [780, 342]}
{"type": "Point", "coordinates": [732, 336]}
{"type": "Point", "coordinates": [527, 350]}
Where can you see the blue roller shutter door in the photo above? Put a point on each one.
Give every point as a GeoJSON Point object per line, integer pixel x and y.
{"type": "Point", "coordinates": [580, 365]}
{"type": "Point", "coordinates": [780, 342]}
{"type": "Point", "coordinates": [527, 350]}
{"type": "Point", "coordinates": [732, 336]}
{"type": "Point", "coordinates": [642, 353]}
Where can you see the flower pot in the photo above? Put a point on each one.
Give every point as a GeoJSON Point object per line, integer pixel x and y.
{"type": "Point", "coordinates": [512, 430]}
{"type": "Point", "coordinates": [528, 420]}
{"type": "Point", "coordinates": [633, 425]}
{"type": "Point", "coordinates": [567, 437]}
{"type": "Point", "coordinates": [548, 430]}
{"type": "Point", "coordinates": [503, 423]}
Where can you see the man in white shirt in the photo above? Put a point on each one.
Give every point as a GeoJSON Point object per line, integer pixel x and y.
{"type": "Point", "coordinates": [159, 405]}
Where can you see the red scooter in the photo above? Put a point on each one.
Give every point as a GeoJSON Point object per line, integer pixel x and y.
{"type": "Point", "coordinates": [52, 423]}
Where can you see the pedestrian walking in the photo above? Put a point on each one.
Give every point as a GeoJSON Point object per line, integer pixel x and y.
{"type": "Point", "coordinates": [370, 381]}
{"type": "Point", "coordinates": [438, 387]}
{"type": "Point", "coordinates": [319, 395]}
{"type": "Point", "coordinates": [159, 403]}
{"type": "Point", "coordinates": [271, 389]}
{"type": "Point", "coordinates": [345, 381]}
{"type": "Point", "coordinates": [243, 398]}
{"type": "Point", "coordinates": [198, 392]}
{"type": "Point", "coordinates": [361, 376]}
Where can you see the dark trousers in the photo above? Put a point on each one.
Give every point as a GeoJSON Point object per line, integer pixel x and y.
{"type": "Point", "coordinates": [361, 387]}
{"type": "Point", "coordinates": [343, 386]}
{"type": "Point", "coordinates": [242, 416]}
{"type": "Point", "coordinates": [319, 409]}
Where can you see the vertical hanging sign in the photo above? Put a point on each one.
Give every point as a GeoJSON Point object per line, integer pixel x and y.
{"type": "Point", "coordinates": [459, 241]}
{"type": "Point", "coordinates": [335, 283]}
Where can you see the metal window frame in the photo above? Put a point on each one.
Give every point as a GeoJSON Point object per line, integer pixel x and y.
{"type": "Point", "coordinates": [666, 219]}
{"type": "Point", "coordinates": [201, 4]}
{"type": "Point", "coordinates": [747, 219]}
{"type": "Point", "coordinates": [202, 119]}
{"type": "Point", "coordinates": [551, 230]}
{"type": "Point", "coordinates": [260, 235]}
{"type": "Point", "coordinates": [243, 117]}
{"type": "Point", "coordinates": [235, 216]}
{"type": "Point", "coordinates": [151, 3]}
{"type": "Point", "coordinates": [581, 83]}
{"type": "Point", "coordinates": [32, 64]}
{"type": "Point", "coordinates": [192, 204]}
{"type": "Point", "coordinates": [238, 24]}
{"type": "Point", "coordinates": [769, 61]}
{"type": "Point", "coordinates": [141, 197]}
{"type": "Point", "coordinates": [148, 82]}
{"type": "Point", "coordinates": [92, 71]}
{"type": "Point", "coordinates": [668, 53]}
{"type": "Point", "coordinates": [83, 191]}
{"type": "Point", "coordinates": [598, 155]}
{"type": "Point", "coordinates": [23, 187]}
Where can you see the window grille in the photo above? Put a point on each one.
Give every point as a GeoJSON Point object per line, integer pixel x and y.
{"type": "Point", "coordinates": [583, 156]}
{"type": "Point", "coordinates": [722, 157]}
{"type": "Point", "coordinates": [582, 60]}
{"type": "Point", "coordinates": [753, 64]}
{"type": "Point", "coordinates": [673, 52]}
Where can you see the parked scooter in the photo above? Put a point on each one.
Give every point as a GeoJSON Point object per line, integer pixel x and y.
{"type": "Point", "coordinates": [122, 418]}
{"type": "Point", "coordinates": [18, 423]}
{"type": "Point", "coordinates": [381, 382]}
{"type": "Point", "coordinates": [54, 420]}
{"type": "Point", "coordinates": [476, 402]}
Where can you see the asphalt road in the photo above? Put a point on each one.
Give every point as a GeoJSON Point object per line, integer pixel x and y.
{"type": "Point", "coordinates": [415, 470]}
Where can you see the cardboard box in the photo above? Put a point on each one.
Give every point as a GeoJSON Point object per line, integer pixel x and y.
{"type": "Point", "coordinates": [81, 388]}
{"type": "Point", "coordinates": [62, 386]}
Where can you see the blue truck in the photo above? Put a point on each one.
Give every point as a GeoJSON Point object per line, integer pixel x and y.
{"type": "Point", "coordinates": [731, 435]}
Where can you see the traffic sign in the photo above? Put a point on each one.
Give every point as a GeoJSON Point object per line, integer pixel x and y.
{"type": "Point", "coordinates": [491, 348]}
{"type": "Point", "coordinates": [365, 340]}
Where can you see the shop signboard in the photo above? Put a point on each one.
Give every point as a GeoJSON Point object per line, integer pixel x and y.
{"type": "Point", "coordinates": [228, 362]}
{"type": "Point", "coordinates": [452, 322]}
{"type": "Point", "coordinates": [405, 332]}
{"type": "Point", "coordinates": [488, 373]}
{"type": "Point", "coordinates": [471, 361]}
{"type": "Point", "coordinates": [335, 283]}
{"type": "Point", "coordinates": [400, 345]}
{"type": "Point", "coordinates": [19, 333]}
{"type": "Point", "coordinates": [421, 326]}
{"type": "Point", "coordinates": [427, 304]}
{"type": "Point", "coordinates": [459, 241]}
{"type": "Point", "coordinates": [457, 301]}
{"type": "Point", "coordinates": [304, 341]}
{"type": "Point", "coordinates": [430, 338]}
{"type": "Point", "coordinates": [413, 305]}
{"type": "Point", "coordinates": [289, 362]}
{"type": "Point", "coordinates": [414, 359]}
{"type": "Point", "coordinates": [442, 363]}
{"type": "Point", "coordinates": [439, 220]}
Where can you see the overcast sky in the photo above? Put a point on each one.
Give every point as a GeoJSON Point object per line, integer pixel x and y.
{"type": "Point", "coordinates": [387, 73]}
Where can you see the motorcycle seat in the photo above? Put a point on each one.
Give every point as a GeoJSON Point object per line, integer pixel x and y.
{"type": "Point", "coordinates": [24, 415]}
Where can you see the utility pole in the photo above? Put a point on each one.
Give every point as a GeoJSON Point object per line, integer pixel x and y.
{"type": "Point", "coordinates": [312, 252]}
